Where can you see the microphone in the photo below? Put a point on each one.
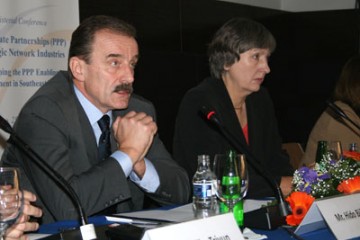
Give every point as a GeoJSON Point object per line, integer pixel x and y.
{"type": "Point", "coordinates": [268, 217]}
{"type": "Point", "coordinates": [341, 113]}
{"type": "Point", "coordinates": [87, 231]}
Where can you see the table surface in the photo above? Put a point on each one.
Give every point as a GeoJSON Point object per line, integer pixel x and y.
{"type": "Point", "coordinates": [279, 233]}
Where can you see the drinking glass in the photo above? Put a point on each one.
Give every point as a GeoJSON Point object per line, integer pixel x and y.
{"type": "Point", "coordinates": [334, 150]}
{"type": "Point", "coordinates": [231, 188]}
{"type": "Point", "coordinates": [10, 201]}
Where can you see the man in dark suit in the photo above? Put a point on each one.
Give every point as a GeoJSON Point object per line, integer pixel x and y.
{"type": "Point", "coordinates": [60, 122]}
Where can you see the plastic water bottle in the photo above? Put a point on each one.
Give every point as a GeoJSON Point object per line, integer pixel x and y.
{"type": "Point", "coordinates": [204, 198]}
{"type": "Point", "coordinates": [353, 147]}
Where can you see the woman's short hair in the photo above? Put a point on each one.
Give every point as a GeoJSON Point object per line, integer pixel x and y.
{"type": "Point", "coordinates": [236, 36]}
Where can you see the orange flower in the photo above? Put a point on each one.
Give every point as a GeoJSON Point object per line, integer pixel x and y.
{"type": "Point", "coordinates": [300, 203]}
{"type": "Point", "coordinates": [352, 154]}
{"type": "Point", "coordinates": [350, 185]}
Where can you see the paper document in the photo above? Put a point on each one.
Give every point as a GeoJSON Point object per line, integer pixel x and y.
{"type": "Point", "coordinates": [34, 236]}
{"type": "Point", "coordinates": [176, 215]}
{"type": "Point", "coordinates": [254, 204]}
{"type": "Point", "coordinates": [136, 221]}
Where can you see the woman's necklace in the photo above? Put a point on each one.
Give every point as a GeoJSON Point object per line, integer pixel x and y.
{"type": "Point", "coordinates": [239, 108]}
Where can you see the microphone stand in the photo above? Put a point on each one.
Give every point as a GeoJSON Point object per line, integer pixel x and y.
{"type": "Point", "coordinates": [272, 220]}
{"type": "Point", "coordinates": [87, 230]}
{"type": "Point", "coordinates": [341, 113]}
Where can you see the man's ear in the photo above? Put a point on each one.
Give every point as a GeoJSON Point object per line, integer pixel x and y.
{"type": "Point", "coordinates": [77, 68]}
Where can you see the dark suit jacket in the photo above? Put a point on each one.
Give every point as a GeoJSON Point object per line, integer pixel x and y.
{"type": "Point", "coordinates": [194, 135]}
{"type": "Point", "coordinates": [55, 125]}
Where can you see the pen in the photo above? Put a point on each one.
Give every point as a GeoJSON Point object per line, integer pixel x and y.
{"type": "Point", "coordinates": [134, 221]}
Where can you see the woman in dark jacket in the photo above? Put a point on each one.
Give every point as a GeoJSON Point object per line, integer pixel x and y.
{"type": "Point", "coordinates": [238, 57]}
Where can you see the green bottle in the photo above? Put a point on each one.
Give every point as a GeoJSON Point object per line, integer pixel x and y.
{"type": "Point", "coordinates": [321, 151]}
{"type": "Point", "coordinates": [231, 188]}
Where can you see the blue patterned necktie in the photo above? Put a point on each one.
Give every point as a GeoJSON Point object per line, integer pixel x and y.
{"type": "Point", "coordinates": [104, 148]}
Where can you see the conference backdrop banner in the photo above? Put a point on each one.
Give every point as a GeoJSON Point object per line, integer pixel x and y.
{"type": "Point", "coordinates": [34, 42]}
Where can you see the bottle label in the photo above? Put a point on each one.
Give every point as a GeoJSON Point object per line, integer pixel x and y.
{"type": "Point", "coordinates": [231, 187]}
{"type": "Point", "coordinates": [202, 190]}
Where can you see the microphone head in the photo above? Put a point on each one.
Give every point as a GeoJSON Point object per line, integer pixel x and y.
{"type": "Point", "coordinates": [4, 125]}
{"type": "Point", "coordinates": [341, 113]}
{"type": "Point", "coordinates": [209, 114]}
{"type": "Point", "coordinates": [336, 109]}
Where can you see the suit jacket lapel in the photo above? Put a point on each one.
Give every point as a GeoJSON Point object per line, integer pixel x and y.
{"type": "Point", "coordinates": [225, 110]}
{"type": "Point", "coordinates": [80, 125]}
{"type": "Point", "coordinates": [88, 135]}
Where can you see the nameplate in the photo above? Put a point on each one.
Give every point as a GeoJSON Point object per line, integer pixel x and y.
{"type": "Point", "coordinates": [341, 214]}
{"type": "Point", "coordinates": [217, 227]}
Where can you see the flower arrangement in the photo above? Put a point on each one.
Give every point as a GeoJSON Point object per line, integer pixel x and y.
{"type": "Point", "coordinates": [324, 179]}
